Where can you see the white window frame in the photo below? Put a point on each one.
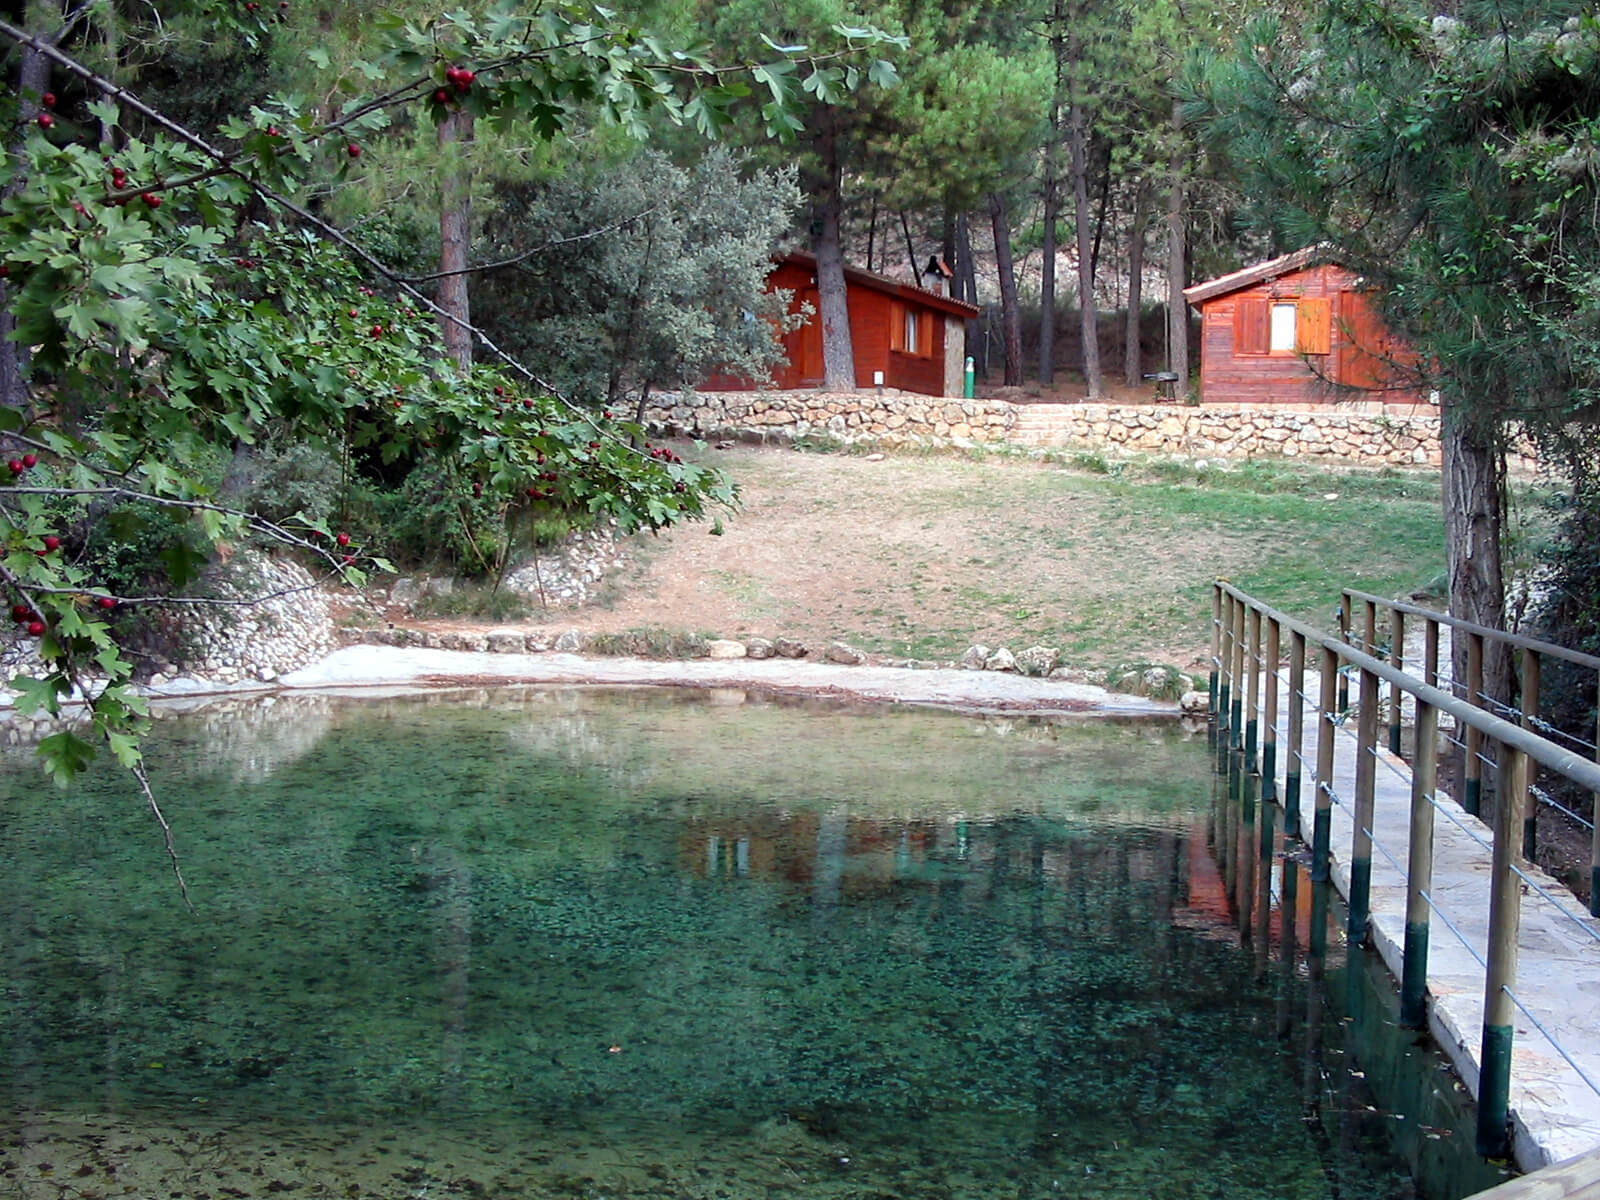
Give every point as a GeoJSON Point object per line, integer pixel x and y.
{"type": "Point", "coordinates": [1281, 336]}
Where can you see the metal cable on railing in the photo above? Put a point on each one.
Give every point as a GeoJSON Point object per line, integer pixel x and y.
{"type": "Point", "coordinates": [1557, 1046]}
{"type": "Point", "coordinates": [1545, 797]}
{"type": "Point", "coordinates": [1455, 929]}
{"type": "Point", "coordinates": [1582, 922]}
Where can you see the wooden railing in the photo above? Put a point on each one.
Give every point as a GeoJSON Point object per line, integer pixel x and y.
{"type": "Point", "coordinates": [1260, 659]}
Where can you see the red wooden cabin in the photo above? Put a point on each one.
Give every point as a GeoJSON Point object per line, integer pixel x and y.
{"type": "Point", "coordinates": [915, 337]}
{"type": "Point", "coordinates": [1297, 329]}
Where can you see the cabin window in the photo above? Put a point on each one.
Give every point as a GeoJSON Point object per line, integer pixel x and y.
{"type": "Point", "coordinates": [910, 331]}
{"type": "Point", "coordinates": [1281, 338]}
{"type": "Point", "coordinates": [1303, 326]}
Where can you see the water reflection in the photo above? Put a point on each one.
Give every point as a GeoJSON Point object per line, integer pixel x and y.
{"type": "Point", "coordinates": [577, 944]}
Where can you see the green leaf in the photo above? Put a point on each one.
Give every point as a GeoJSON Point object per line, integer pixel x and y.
{"type": "Point", "coordinates": [65, 755]}
{"type": "Point", "coordinates": [125, 747]}
{"type": "Point", "coordinates": [38, 695]}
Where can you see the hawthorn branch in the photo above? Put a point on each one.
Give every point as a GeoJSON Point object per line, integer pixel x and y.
{"type": "Point", "coordinates": [166, 831]}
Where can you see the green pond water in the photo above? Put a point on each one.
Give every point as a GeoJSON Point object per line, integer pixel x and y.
{"type": "Point", "coordinates": [636, 944]}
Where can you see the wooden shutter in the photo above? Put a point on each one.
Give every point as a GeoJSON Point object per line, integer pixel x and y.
{"type": "Point", "coordinates": [1251, 328]}
{"type": "Point", "coordinates": [1313, 326]}
{"type": "Point", "coordinates": [897, 325]}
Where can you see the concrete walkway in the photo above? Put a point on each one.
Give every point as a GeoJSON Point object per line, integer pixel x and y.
{"type": "Point", "coordinates": [1555, 1112]}
{"type": "Point", "coordinates": [374, 666]}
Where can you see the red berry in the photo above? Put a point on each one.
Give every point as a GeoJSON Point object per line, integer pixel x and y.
{"type": "Point", "coordinates": [48, 99]}
{"type": "Point", "coordinates": [352, 312]}
{"type": "Point", "coordinates": [533, 491]}
{"type": "Point", "coordinates": [441, 96]}
{"type": "Point", "coordinates": [29, 460]}
{"type": "Point", "coordinates": [150, 198]}
{"type": "Point", "coordinates": [35, 628]}
{"type": "Point", "coordinates": [5, 271]}
{"type": "Point", "coordinates": [20, 612]}
{"type": "Point", "coordinates": [272, 131]}
{"type": "Point", "coordinates": [45, 120]}
{"type": "Point", "coordinates": [499, 391]}
{"type": "Point", "coordinates": [348, 559]}
{"type": "Point", "coordinates": [15, 466]}
{"type": "Point", "coordinates": [343, 539]}
{"type": "Point", "coordinates": [52, 542]}
{"type": "Point", "coordinates": [106, 602]}
{"type": "Point", "coordinates": [353, 150]}
{"type": "Point", "coordinates": [377, 331]}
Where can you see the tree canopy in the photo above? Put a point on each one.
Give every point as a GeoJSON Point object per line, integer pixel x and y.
{"type": "Point", "coordinates": [175, 294]}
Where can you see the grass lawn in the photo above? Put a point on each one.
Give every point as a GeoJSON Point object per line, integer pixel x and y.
{"type": "Point", "coordinates": [923, 555]}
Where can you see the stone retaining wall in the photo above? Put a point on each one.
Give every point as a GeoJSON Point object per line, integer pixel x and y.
{"type": "Point", "coordinates": [889, 418]}
{"type": "Point", "coordinates": [1370, 439]}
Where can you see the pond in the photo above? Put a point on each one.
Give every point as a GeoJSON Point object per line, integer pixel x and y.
{"type": "Point", "coordinates": [578, 943]}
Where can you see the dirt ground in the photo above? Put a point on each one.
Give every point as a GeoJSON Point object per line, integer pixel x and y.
{"type": "Point", "coordinates": [914, 556]}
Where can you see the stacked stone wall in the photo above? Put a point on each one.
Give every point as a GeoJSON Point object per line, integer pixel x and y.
{"type": "Point", "coordinates": [1238, 432]}
{"type": "Point", "coordinates": [889, 418]}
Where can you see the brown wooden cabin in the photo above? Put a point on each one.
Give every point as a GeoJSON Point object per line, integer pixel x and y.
{"type": "Point", "coordinates": [915, 337]}
{"type": "Point", "coordinates": [1297, 329]}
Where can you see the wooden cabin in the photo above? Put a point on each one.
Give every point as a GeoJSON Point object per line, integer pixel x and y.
{"type": "Point", "coordinates": [916, 338]}
{"type": "Point", "coordinates": [1298, 329]}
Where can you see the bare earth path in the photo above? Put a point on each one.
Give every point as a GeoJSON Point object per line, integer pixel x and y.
{"type": "Point", "coordinates": [920, 556]}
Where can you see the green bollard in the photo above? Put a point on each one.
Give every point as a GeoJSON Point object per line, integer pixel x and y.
{"type": "Point", "coordinates": [969, 380]}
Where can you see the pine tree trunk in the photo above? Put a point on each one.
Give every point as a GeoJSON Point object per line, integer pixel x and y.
{"type": "Point", "coordinates": [1132, 352]}
{"type": "Point", "coordinates": [1047, 277]}
{"type": "Point", "coordinates": [1474, 514]}
{"type": "Point", "coordinates": [1010, 315]}
{"type": "Point", "coordinates": [838, 357]}
{"type": "Point", "coordinates": [1088, 317]}
{"type": "Point", "coordinates": [1052, 205]}
{"type": "Point", "coordinates": [966, 281]}
{"type": "Point", "coordinates": [1177, 267]}
{"type": "Point", "coordinates": [455, 224]}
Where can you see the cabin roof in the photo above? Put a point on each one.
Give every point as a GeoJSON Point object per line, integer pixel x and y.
{"type": "Point", "coordinates": [1258, 273]}
{"type": "Point", "coordinates": [892, 287]}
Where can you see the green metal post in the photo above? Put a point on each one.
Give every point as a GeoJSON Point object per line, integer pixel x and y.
{"type": "Point", "coordinates": [1297, 732]}
{"type": "Point", "coordinates": [969, 384]}
{"type": "Point", "coordinates": [1530, 715]}
{"type": "Point", "coordinates": [1397, 650]}
{"type": "Point", "coordinates": [1419, 869]}
{"type": "Point", "coordinates": [1269, 712]}
{"type": "Point", "coordinates": [1322, 821]}
{"type": "Point", "coordinates": [1505, 913]}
